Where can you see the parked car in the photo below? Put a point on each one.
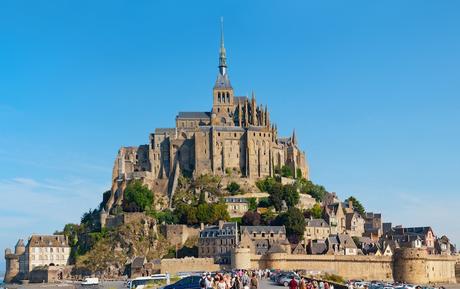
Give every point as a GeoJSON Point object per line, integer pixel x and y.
{"type": "Point", "coordinates": [287, 278]}
{"type": "Point", "coordinates": [190, 282]}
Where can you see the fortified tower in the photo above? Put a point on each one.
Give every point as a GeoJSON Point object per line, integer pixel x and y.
{"type": "Point", "coordinates": [12, 266]}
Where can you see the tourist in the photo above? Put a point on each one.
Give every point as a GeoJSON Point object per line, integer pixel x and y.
{"type": "Point", "coordinates": [209, 282]}
{"type": "Point", "coordinates": [221, 284]}
{"type": "Point", "coordinates": [203, 283]}
{"type": "Point", "coordinates": [245, 280]}
{"type": "Point", "coordinates": [293, 283]}
{"type": "Point", "coordinates": [237, 284]}
{"type": "Point", "coordinates": [302, 284]}
{"type": "Point", "coordinates": [254, 281]}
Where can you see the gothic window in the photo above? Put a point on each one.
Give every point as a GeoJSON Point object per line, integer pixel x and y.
{"type": "Point", "coordinates": [228, 97]}
{"type": "Point", "coordinates": [218, 97]}
{"type": "Point", "coordinates": [218, 109]}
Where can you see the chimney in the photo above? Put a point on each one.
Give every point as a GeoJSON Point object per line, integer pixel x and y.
{"type": "Point", "coordinates": [221, 224]}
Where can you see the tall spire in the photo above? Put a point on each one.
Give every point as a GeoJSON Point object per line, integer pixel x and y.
{"type": "Point", "coordinates": [294, 139]}
{"type": "Point", "coordinates": [222, 52]}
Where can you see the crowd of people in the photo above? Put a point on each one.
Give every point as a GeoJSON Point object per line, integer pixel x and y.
{"type": "Point", "coordinates": [243, 279]}
{"type": "Point", "coordinates": [309, 284]}
{"type": "Point", "coordinates": [239, 280]}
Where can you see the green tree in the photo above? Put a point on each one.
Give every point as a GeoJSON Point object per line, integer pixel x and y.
{"type": "Point", "coordinates": [220, 212]}
{"type": "Point", "coordinates": [307, 187]}
{"type": "Point", "coordinates": [315, 212]}
{"type": "Point", "coordinates": [204, 214]}
{"type": "Point", "coordinates": [233, 188]}
{"type": "Point", "coordinates": [294, 222]}
{"type": "Point", "coordinates": [166, 216]}
{"type": "Point", "coordinates": [266, 184]}
{"type": "Point", "coordinates": [276, 196]}
{"type": "Point", "coordinates": [291, 195]}
{"type": "Point", "coordinates": [267, 217]}
{"type": "Point", "coordinates": [286, 172]}
{"type": "Point", "coordinates": [358, 207]}
{"type": "Point", "coordinates": [252, 204]}
{"type": "Point", "coordinates": [138, 197]}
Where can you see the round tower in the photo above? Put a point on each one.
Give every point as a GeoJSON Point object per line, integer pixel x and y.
{"type": "Point", "coordinates": [410, 266]}
{"type": "Point", "coordinates": [12, 266]}
{"type": "Point", "coordinates": [241, 258]}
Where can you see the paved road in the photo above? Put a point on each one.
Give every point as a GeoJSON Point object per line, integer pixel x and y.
{"type": "Point", "coordinates": [264, 284]}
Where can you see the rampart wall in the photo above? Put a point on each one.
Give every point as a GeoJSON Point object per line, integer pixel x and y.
{"type": "Point", "coordinates": [173, 266]}
{"type": "Point", "coordinates": [349, 267]}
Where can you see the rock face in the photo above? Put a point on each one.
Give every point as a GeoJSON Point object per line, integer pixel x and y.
{"type": "Point", "coordinates": [236, 136]}
{"type": "Point", "coordinates": [136, 236]}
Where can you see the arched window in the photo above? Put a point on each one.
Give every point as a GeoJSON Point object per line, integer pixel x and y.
{"type": "Point", "coordinates": [218, 97]}
{"type": "Point", "coordinates": [228, 97]}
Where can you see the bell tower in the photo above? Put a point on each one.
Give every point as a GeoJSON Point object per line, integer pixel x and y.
{"type": "Point", "coordinates": [223, 97]}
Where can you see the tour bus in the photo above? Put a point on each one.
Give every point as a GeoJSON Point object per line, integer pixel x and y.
{"type": "Point", "coordinates": [141, 282]}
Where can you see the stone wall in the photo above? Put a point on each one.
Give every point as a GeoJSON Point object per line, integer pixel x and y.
{"type": "Point", "coordinates": [179, 234]}
{"type": "Point", "coordinates": [349, 267]}
{"type": "Point", "coordinates": [173, 266]}
{"type": "Point", "coordinates": [407, 265]}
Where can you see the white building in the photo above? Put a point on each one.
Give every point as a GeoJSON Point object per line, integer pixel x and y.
{"type": "Point", "coordinates": [47, 250]}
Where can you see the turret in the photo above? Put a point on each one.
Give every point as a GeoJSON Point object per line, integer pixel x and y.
{"type": "Point", "coordinates": [19, 249]}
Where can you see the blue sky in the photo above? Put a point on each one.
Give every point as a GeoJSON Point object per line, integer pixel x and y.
{"type": "Point", "coordinates": [370, 86]}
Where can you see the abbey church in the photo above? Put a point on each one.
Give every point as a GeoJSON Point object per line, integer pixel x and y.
{"type": "Point", "coordinates": [236, 136]}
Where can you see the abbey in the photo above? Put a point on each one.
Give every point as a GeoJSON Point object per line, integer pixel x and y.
{"type": "Point", "coordinates": [236, 136]}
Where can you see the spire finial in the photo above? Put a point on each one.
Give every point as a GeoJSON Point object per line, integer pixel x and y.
{"type": "Point", "coordinates": [222, 52]}
{"type": "Point", "coordinates": [222, 31]}
{"type": "Point", "coordinates": [293, 139]}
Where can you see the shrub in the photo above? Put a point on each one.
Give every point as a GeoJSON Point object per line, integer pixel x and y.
{"type": "Point", "coordinates": [138, 197]}
{"type": "Point", "coordinates": [233, 188]}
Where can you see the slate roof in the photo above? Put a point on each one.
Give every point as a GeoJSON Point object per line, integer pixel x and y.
{"type": "Point", "coordinates": [194, 114]}
{"type": "Point", "coordinates": [48, 241]}
{"type": "Point", "coordinates": [276, 249]}
{"type": "Point", "coordinates": [228, 229]}
{"type": "Point", "coordinates": [264, 229]}
{"type": "Point", "coordinates": [317, 248]}
{"type": "Point", "coordinates": [346, 241]}
{"type": "Point", "coordinates": [320, 223]}
{"type": "Point", "coordinates": [223, 81]}
{"type": "Point", "coordinates": [165, 130]}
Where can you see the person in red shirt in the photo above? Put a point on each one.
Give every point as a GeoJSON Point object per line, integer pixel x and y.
{"type": "Point", "coordinates": [293, 283]}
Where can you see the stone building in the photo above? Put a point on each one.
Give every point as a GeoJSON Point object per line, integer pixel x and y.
{"type": "Point", "coordinates": [236, 135]}
{"type": "Point", "coordinates": [373, 225]}
{"type": "Point", "coordinates": [354, 224]}
{"type": "Point", "coordinates": [218, 241]}
{"type": "Point", "coordinates": [335, 217]}
{"type": "Point", "coordinates": [263, 238]}
{"type": "Point", "coordinates": [40, 251]}
{"type": "Point", "coordinates": [413, 237]}
{"type": "Point", "coordinates": [316, 229]}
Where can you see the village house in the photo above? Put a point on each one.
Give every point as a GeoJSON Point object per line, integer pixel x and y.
{"type": "Point", "coordinates": [354, 224]}
{"type": "Point", "coordinates": [414, 237]}
{"type": "Point", "coordinates": [218, 241]}
{"type": "Point", "coordinates": [341, 244]}
{"type": "Point", "coordinates": [373, 225]}
{"type": "Point", "coordinates": [264, 237]}
{"type": "Point", "coordinates": [316, 229]}
{"type": "Point", "coordinates": [335, 217]}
